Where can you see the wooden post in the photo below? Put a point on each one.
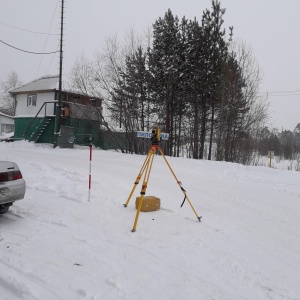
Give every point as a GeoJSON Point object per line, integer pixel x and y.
{"type": "Point", "coordinates": [90, 169]}
{"type": "Point", "coordinates": [270, 155]}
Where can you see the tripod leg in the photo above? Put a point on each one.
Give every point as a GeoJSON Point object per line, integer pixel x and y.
{"type": "Point", "coordinates": [144, 187]}
{"type": "Point", "coordinates": [138, 177]}
{"type": "Point", "coordinates": [179, 183]}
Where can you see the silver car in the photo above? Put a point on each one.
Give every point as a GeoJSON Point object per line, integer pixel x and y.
{"type": "Point", "coordinates": [12, 185]}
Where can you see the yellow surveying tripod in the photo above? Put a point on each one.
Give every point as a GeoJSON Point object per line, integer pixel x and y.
{"type": "Point", "coordinates": [146, 170]}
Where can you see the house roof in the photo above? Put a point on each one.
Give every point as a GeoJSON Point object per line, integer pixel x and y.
{"type": "Point", "coordinates": [45, 83]}
{"type": "Point", "coordinates": [7, 111]}
{"type": "Point", "coordinates": [4, 115]}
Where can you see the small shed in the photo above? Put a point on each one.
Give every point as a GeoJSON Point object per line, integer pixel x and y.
{"type": "Point", "coordinates": [6, 123]}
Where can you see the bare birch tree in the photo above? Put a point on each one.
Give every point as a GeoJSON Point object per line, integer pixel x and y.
{"type": "Point", "coordinates": [5, 86]}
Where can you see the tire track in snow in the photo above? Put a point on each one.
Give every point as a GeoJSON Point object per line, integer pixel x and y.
{"type": "Point", "coordinates": [20, 288]}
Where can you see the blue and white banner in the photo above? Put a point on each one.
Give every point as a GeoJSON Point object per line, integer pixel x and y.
{"type": "Point", "coordinates": [147, 135]}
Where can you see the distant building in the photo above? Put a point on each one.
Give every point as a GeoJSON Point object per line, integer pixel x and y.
{"type": "Point", "coordinates": [6, 123]}
{"type": "Point", "coordinates": [36, 117]}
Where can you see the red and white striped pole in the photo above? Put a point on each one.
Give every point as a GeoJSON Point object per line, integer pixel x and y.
{"type": "Point", "coordinates": [90, 171]}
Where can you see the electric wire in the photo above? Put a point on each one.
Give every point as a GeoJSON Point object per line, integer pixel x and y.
{"type": "Point", "coordinates": [27, 30]}
{"type": "Point", "coordinates": [284, 95]}
{"type": "Point", "coordinates": [52, 60]}
{"type": "Point", "coordinates": [278, 92]}
{"type": "Point", "coordinates": [47, 42]}
{"type": "Point", "coordinates": [31, 52]}
{"type": "Point", "coordinates": [281, 93]}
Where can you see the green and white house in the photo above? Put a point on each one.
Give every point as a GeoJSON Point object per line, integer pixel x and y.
{"type": "Point", "coordinates": [37, 118]}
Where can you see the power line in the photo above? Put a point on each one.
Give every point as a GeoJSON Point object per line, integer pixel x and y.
{"type": "Point", "coordinates": [32, 52]}
{"type": "Point", "coordinates": [47, 41]}
{"type": "Point", "coordinates": [278, 92]}
{"type": "Point", "coordinates": [28, 30]}
{"type": "Point", "coordinates": [284, 95]}
{"type": "Point", "coordinates": [52, 60]}
{"type": "Point", "coordinates": [281, 93]}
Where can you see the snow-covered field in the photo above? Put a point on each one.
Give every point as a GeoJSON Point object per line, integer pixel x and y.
{"type": "Point", "coordinates": [55, 244]}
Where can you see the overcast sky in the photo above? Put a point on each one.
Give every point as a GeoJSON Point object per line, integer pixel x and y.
{"type": "Point", "coordinates": [270, 27]}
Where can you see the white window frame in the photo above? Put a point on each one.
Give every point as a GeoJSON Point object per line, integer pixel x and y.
{"type": "Point", "coordinates": [6, 128]}
{"type": "Point", "coordinates": [31, 100]}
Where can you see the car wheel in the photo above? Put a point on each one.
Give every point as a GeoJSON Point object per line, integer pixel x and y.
{"type": "Point", "coordinates": [4, 208]}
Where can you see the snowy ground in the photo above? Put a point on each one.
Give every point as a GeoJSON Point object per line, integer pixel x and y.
{"type": "Point", "coordinates": [55, 244]}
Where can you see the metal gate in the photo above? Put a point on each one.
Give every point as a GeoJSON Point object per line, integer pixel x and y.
{"type": "Point", "coordinates": [66, 137]}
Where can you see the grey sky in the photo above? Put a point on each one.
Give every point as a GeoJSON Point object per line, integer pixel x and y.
{"type": "Point", "coordinates": [270, 27]}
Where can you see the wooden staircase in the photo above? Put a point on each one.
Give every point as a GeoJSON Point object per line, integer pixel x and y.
{"type": "Point", "coordinates": [40, 129]}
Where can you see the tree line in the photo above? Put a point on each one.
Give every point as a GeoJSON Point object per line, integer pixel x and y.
{"type": "Point", "coordinates": [285, 144]}
{"type": "Point", "coordinates": [191, 79]}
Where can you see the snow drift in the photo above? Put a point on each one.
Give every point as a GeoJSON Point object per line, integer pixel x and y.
{"type": "Point", "coordinates": [55, 244]}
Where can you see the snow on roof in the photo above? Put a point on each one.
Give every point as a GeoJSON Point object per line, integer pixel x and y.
{"type": "Point", "coordinates": [7, 111]}
{"type": "Point", "coordinates": [44, 83]}
{"type": "Point", "coordinates": [5, 115]}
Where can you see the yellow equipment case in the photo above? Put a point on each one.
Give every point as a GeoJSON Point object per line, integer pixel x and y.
{"type": "Point", "coordinates": [150, 203]}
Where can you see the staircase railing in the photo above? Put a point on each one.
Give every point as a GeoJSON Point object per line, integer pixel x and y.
{"type": "Point", "coordinates": [39, 129]}
{"type": "Point", "coordinates": [30, 124]}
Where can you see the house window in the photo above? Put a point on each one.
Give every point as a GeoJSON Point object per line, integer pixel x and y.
{"type": "Point", "coordinates": [31, 100]}
{"type": "Point", "coordinates": [6, 128]}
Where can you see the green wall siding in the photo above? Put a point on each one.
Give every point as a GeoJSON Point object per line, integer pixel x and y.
{"type": "Point", "coordinates": [21, 124]}
{"type": "Point", "coordinates": [82, 131]}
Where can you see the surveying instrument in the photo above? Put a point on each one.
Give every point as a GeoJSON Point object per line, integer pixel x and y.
{"type": "Point", "coordinates": [146, 170]}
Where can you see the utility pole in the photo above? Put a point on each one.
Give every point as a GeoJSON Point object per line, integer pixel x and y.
{"type": "Point", "coordinates": [58, 106]}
